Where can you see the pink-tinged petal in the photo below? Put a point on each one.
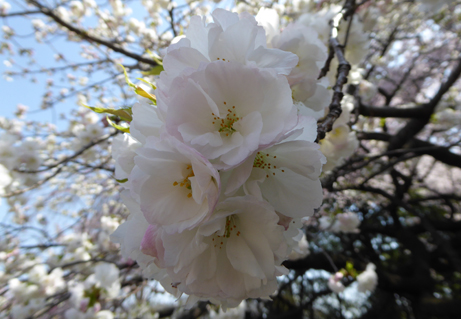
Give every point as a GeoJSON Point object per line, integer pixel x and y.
{"type": "Point", "coordinates": [284, 220]}
{"type": "Point", "coordinates": [151, 243]}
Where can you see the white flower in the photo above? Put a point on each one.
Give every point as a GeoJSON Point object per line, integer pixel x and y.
{"type": "Point", "coordinates": [53, 282]}
{"type": "Point", "coordinates": [90, 3]}
{"type": "Point", "coordinates": [412, 220]}
{"type": "Point", "coordinates": [177, 187]}
{"type": "Point", "coordinates": [367, 90]}
{"type": "Point", "coordinates": [123, 152]}
{"type": "Point", "coordinates": [76, 290]}
{"type": "Point", "coordinates": [286, 175]}
{"type": "Point", "coordinates": [312, 53]}
{"type": "Point", "coordinates": [38, 24]}
{"type": "Point", "coordinates": [301, 251]}
{"type": "Point", "coordinates": [334, 283]}
{"type": "Point", "coordinates": [232, 37]}
{"type": "Point", "coordinates": [106, 276]}
{"type": "Point", "coordinates": [136, 26]}
{"type": "Point", "coordinates": [63, 14]}
{"type": "Point", "coordinates": [109, 224]}
{"type": "Point", "coordinates": [448, 117]}
{"type": "Point", "coordinates": [358, 41]}
{"type": "Point", "coordinates": [269, 19]}
{"type": "Point", "coordinates": [367, 280]}
{"type": "Point", "coordinates": [8, 153]}
{"type": "Point", "coordinates": [235, 313]}
{"type": "Point", "coordinates": [146, 121]}
{"type": "Point", "coordinates": [232, 110]}
{"type": "Point", "coordinates": [4, 7]}
{"type": "Point", "coordinates": [5, 179]}
{"type": "Point", "coordinates": [243, 247]}
{"type": "Point", "coordinates": [348, 222]}
{"type": "Point", "coordinates": [37, 272]}
{"type": "Point", "coordinates": [344, 222]}
{"type": "Point", "coordinates": [130, 233]}
{"type": "Point", "coordinates": [76, 7]}
{"type": "Point", "coordinates": [104, 314]}
{"type": "Point", "coordinates": [304, 42]}
{"type": "Point", "coordinates": [338, 145]}
{"type": "Point", "coordinates": [320, 21]}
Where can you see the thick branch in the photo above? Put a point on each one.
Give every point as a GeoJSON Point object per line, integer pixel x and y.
{"type": "Point", "coordinates": [414, 126]}
{"type": "Point", "coordinates": [376, 111]}
{"type": "Point", "coordinates": [440, 153]}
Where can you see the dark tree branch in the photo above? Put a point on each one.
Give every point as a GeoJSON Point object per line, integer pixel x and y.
{"type": "Point", "coordinates": [22, 13]}
{"type": "Point", "coordinates": [414, 126]}
{"type": "Point", "coordinates": [440, 153]}
{"type": "Point", "coordinates": [86, 36]}
{"type": "Point", "coordinates": [417, 112]}
{"type": "Point", "coordinates": [326, 124]}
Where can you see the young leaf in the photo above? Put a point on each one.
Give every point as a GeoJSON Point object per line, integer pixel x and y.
{"type": "Point", "coordinates": [118, 127]}
{"type": "Point", "coordinates": [124, 114]}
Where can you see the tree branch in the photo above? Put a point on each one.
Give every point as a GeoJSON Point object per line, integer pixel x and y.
{"type": "Point", "coordinates": [85, 35]}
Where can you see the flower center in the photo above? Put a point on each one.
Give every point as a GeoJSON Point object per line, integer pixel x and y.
{"type": "Point", "coordinates": [229, 228]}
{"type": "Point", "coordinates": [262, 160]}
{"type": "Point", "coordinates": [186, 181]}
{"type": "Point", "coordinates": [226, 123]}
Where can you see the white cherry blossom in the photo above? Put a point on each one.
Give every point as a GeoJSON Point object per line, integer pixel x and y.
{"type": "Point", "coordinates": [176, 186]}
{"type": "Point", "coordinates": [232, 37]}
{"type": "Point", "coordinates": [368, 280]}
{"type": "Point", "coordinates": [232, 110]}
{"type": "Point", "coordinates": [242, 244]}
{"type": "Point", "coordinates": [335, 284]}
{"type": "Point", "coordinates": [286, 175]}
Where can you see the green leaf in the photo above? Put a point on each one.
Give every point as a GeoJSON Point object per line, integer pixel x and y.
{"type": "Point", "coordinates": [126, 78]}
{"type": "Point", "coordinates": [124, 114]}
{"type": "Point", "coordinates": [155, 57]}
{"type": "Point", "coordinates": [118, 127]}
{"type": "Point", "coordinates": [350, 269]}
{"type": "Point", "coordinates": [154, 71]}
{"type": "Point", "coordinates": [140, 91]}
{"type": "Point", "coordinates": [147, 82]}
{"type": "Point", "coordinates": [121, 181]}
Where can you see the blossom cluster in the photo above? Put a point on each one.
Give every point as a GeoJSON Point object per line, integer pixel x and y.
{"type": "Point", "coordinates": [220, 165]}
